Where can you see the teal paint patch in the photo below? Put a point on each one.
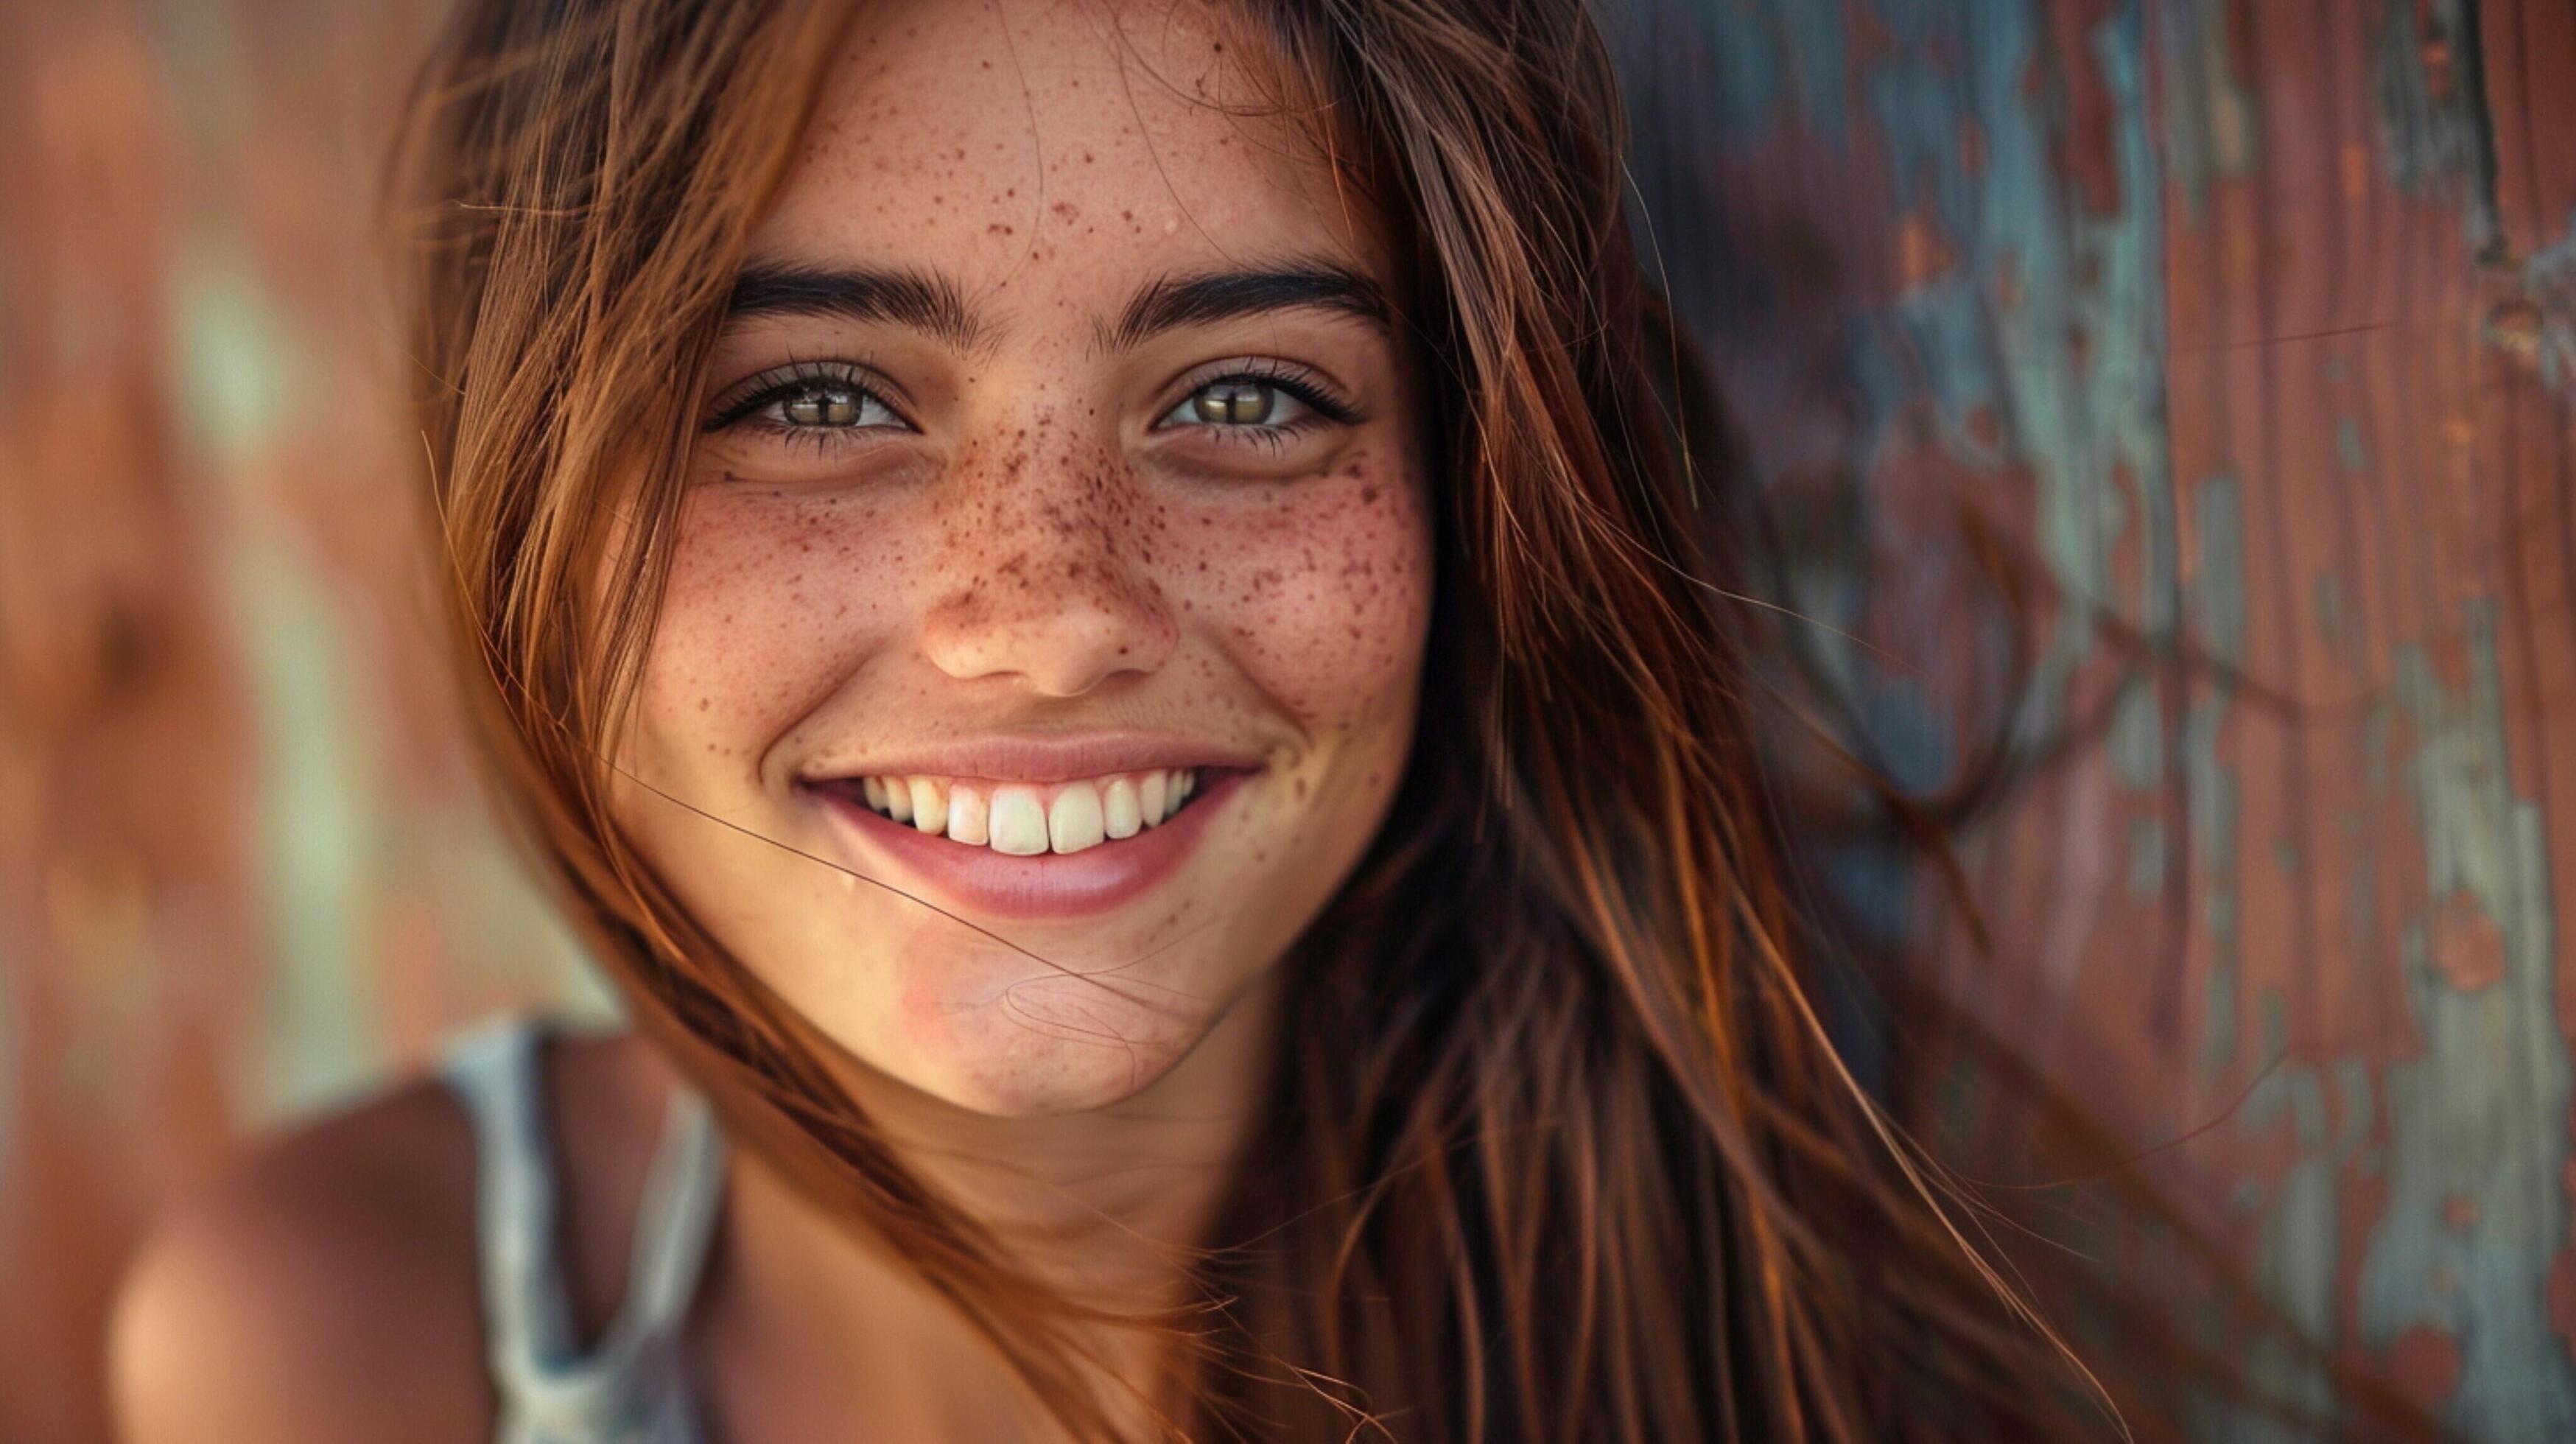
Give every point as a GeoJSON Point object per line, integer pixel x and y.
{"type": "Point", "coordinates": [2146, 858]}
{"type": "Point", "coordinates": [2298, 1259]}
{"type": "Point", "coordinates": [1818, 64]}
{"type": "Point", "coordinates": [2136, 746]}
{"type": "Point", "coordinates": [1909, 742]}
{"type": "Point", "coordinates": [1740, 47]}
{"type": "Point", "coordinates": [2218, 1035]}
{"type": "Point", "coordinates": [2549, 283]}
{"type": "Point", "coordinates": [236, 373]}
{"type": "Point", "coordinates": [2217, 601]}
{"type": "Point", "coordinates": [2350, 453]}
{"type": "Point", "coordinates": [317, 1036]}
{"type": "Point", "coordinates": [2210, 119]}
{"type": "Point", "coordinates": [2484, 1111]}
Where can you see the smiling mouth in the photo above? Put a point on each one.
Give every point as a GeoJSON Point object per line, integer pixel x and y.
{"type": "Point", "coordinates": [1025, 819]}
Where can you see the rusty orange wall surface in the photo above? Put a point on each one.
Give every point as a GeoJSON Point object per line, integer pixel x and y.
{"type": "Point", "coordinates": [2252, 321]}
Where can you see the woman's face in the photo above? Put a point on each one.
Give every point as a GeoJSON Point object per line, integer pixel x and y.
{"type": "Point", "coordinates": [1056, 555]}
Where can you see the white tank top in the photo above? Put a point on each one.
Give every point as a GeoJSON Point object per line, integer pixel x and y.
{"type": "Point", "coordinates": [634, 1387]}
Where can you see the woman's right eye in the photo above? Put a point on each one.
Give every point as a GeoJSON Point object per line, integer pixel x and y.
{"type": "Point", "coordinates": [807, 403]}
{"type": "Point", "coordinates": [835, 407]}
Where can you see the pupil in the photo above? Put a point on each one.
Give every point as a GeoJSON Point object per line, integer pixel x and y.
{"type": "Point", "coordinates": [824, 408]}
{"type": "Point", "coordinates": [1234, 403]}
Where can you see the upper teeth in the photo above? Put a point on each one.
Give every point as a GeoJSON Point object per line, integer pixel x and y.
{"type": "Point", "coordinates": [1024, 818]}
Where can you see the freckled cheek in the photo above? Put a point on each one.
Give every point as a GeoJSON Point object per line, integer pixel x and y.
{"type": "Point", "coordinates": [766, 605]}
{"type": "Point", "coordinates": [1326, 604]}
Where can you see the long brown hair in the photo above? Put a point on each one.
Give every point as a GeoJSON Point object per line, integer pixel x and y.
{"type": "Point", "coordinates": [1559, 1148]}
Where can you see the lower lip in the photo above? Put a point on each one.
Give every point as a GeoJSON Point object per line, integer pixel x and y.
{"type": "Point", "coordinates": [1047, 885]}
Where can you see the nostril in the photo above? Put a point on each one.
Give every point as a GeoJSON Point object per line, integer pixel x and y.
{"type": "Point", "coordinates": [1065, 636]}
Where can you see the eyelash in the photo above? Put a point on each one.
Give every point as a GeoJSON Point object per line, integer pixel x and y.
{"type": "Point", "coordinates": [1299, 382]}
{"type": "Point", "coordinates": [802, 378]}
{"type": "Point", "coordinates": [788, 382]}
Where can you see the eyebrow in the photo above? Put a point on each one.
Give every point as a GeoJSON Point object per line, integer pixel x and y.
{"type": "Point", "coordinates": [1196, 300]}
{"type": "Point", "coordinates": [921, 300]}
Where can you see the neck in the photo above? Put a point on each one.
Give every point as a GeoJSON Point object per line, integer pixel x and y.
{"type": "Point", "coordinates": [1106, 1203]}
{"type": "Point", "coordinates": [1106, 1206]}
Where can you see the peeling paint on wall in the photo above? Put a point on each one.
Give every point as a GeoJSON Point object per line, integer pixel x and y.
{"type": "Point", "coordinates": [2178, 286]}
{"type": "Point", "coordinates": [2493, 1061]}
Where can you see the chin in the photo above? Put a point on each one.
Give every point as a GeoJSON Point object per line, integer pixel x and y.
{"type": "Point", "coordinates": [1037, 1073]}
{"type": "Point", "coordinates": [1039, 1041]}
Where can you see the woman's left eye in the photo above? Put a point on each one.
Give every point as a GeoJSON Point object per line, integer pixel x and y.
{"type": "Point", "coordinates": [1239, 401]}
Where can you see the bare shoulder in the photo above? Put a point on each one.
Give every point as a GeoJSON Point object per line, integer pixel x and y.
{"type": "Point", "coordinates": [328, 1286]}
{"type": "Point", "coordinates": [328, 1274]}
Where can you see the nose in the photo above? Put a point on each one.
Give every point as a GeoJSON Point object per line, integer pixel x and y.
{"type": "Point", "coordinates": [1037, 581]}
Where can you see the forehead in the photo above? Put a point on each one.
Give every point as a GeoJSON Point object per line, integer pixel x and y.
{"type": "Point", "coordinates": [1056, 148]}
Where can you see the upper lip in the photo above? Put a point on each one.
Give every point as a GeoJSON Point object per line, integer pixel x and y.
{"type": "Point", "coordinates": [1028, 757]}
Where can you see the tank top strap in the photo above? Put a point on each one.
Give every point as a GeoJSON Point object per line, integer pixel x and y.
{"type": "Point", "coordinates": [631, 1386]}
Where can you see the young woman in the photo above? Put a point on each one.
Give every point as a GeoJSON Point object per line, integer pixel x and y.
{"type": "Point", "coordinates": [1098, 610]}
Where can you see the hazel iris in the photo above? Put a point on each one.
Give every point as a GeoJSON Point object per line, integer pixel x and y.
{"type": "Point", "coordinates": [828, 407]}
{"type": "Point", "coordinates": [1235, 403]}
